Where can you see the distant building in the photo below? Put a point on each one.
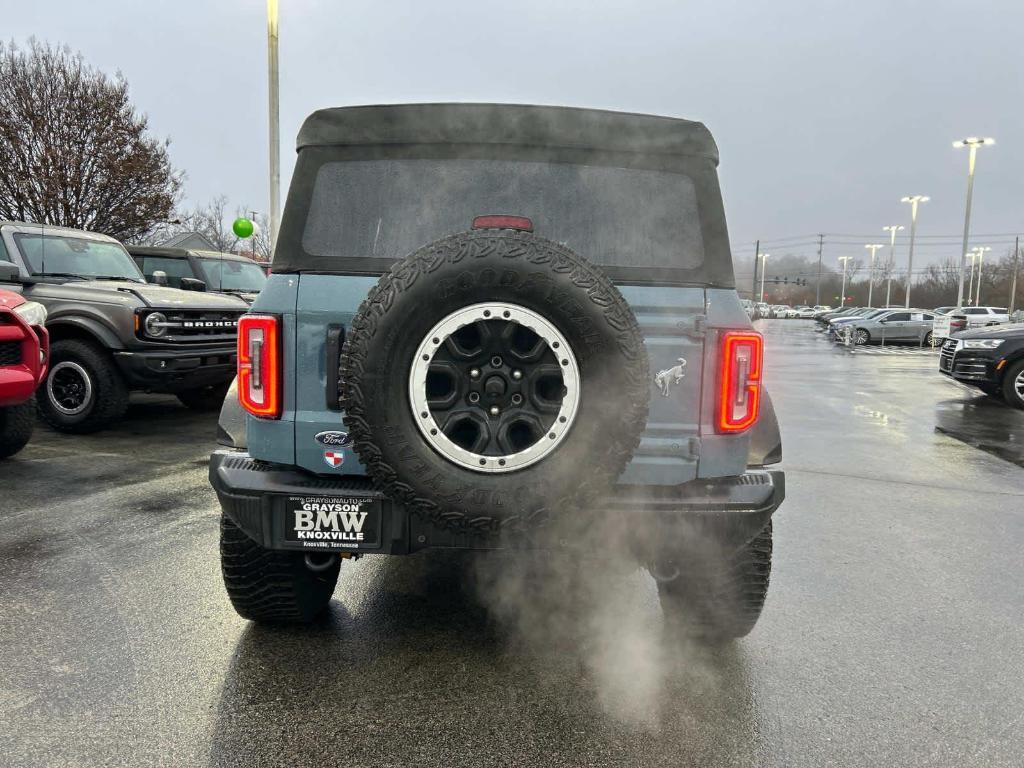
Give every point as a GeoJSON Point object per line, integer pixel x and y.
{"type": "Point", "coordinates": [193, 241]}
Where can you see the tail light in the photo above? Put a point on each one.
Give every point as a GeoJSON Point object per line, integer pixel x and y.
{"type": "Point", "coordinates": [957, 324]}
{"type": "Point", "coordinates": [740, 395]}
{"type": "Point", "coordinates": [259, 365]}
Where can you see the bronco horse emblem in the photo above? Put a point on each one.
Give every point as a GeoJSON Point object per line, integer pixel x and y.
{"type": "Point", "coordinates": [665, 379]}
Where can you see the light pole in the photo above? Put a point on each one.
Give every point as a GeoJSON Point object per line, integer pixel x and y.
{"type": "Point", "coordinates": [914, 201]}
{"type": "Point", "coordinates": [764, 266]}
{"type": "Point", "coordinates": [970, 288]}
{"type": "Point", "coordinates": [274, 115]}
{"type": "Point", "coordinates": [842, 293]}
{"type": "Point", "coordinates": [972, 143]}
{"type": "Point", "coordinates": [892, 229]}
{"type": "Point", "coordinates": [873, 247]}
{"type": "Point", "coordinates": [980, 250]}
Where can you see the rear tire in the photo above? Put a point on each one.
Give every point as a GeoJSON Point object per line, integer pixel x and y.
{"type": "Point", "coordinates": [204, 399]}
{"type": "Point", "coordinates": [271, 586]}
{"type": "Point", "coordinates": [720, 598]}
{"type": "Point", "coordinates": [1013, 385]}
{"type": "Point", "coordinates": [83, 391]}
{"type": "Point", "coordinates": [16, 425]}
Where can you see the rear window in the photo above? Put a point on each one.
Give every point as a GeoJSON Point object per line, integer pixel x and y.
{"type": "Point", "coordinates": [613, 216]}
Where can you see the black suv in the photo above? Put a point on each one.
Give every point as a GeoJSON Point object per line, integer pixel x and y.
{"type": "Point", "coordinates": [111, 332]}
{"type": "Point", "coordinates": [991, 359]}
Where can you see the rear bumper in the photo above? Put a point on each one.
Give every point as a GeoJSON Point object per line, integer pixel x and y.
{"type": "Point", "coordinates": [732, 510]}
{"type": "Point", "coordinates": [174, 370]}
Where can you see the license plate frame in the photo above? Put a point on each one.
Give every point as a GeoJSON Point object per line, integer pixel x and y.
{"type": "Point", "coordinates": [332, 523]}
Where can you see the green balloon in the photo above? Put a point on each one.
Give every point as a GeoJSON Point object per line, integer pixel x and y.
{"type": "Point", "coordinates": [242, 228]}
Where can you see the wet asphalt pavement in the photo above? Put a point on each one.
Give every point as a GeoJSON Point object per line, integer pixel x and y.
{"type": "Point", "coordinates": [892, 633]}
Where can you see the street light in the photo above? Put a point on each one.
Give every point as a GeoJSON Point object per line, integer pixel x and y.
{"type": "Point", "coordinates": [274, 119]}
{"type": "Point", "coordinates": [873, 247]}
{"type": "Point", "coordinates": [972, 143]}
{"type": "Point", "coordinates": [892, 229]}
{"type": "Point", "coordinates": [970, 288]}
{"type": "Point", "coordinates": [764, 266]}
{"type": "Point", "coordinates": [980, 250]}
{"type": "Point", "coordinates": [914, 201]}
{"type": "Point", "coordinates": [842, 293]}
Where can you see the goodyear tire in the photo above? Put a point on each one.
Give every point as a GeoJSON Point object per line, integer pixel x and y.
{"type": "Point", "coordinates": [493, 378]}
{"type": "Point", "coordinates": [83, 391]}
{"type": "Point", "coordinates": [719, 597]}
{"type": "Point", "coordinates": [270, 586]}
{"type": "Point", "coordinates": [16, 423]}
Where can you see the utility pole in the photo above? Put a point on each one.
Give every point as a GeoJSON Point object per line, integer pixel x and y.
{"type": "Point", "coordinates": [1013, 283]}
{"type": "Point", "coordinates": [970, 288]}
{"type": "Point", "coordinates": [274, 121]}
{"type": "Point", "coordinates": [914, 201]}
{"type": "Point", "coordinates": [817, 288]}
{"type": "Point", "coordinates": [842, 293]}
{"type": "Point", "coordinates": [892, 229]}
{"type": "Point", "coordinates": [972, 143]}
{"type": "Point", "coordinates": [757, 261]}
{"type": "Point", "coordinates": [873, 247]}
{"type": "Point", "coordinates": [764, 268]}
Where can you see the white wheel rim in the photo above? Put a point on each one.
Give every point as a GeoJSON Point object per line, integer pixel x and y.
{"type": "Point", "coordinates": [555, 431]}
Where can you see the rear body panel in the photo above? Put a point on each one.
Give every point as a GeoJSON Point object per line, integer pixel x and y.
{"type": "Point", "coordinates": [681, 326]}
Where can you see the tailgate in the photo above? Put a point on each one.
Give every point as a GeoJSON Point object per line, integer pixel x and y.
{"type": "Point", "coordinates": [672, 321]}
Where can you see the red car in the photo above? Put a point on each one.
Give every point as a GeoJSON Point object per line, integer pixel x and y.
{"type": "Point", "coordinates": [24, 349]}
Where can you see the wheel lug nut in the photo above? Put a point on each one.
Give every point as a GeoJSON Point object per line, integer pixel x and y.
{"type": "Point", "coordinates": [517, 375]}
{"type": "Point", "coordinates": [496, 361]}
{"type": "Point", "coordinates": [474, 373]}
{"type": "Point", "coordinates": [517, 399]}
{"type": "Point", "coordinates": [495, 410]}
{"type": "Point", "coordinates": [474, 397]}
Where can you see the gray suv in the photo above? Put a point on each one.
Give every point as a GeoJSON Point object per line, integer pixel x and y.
{"type": "Point", "coordinates": [200, 270]}
{"type": "Point", "coordinates": [501, 326]}
{"type": "Point", "coordinates": [111, 332]}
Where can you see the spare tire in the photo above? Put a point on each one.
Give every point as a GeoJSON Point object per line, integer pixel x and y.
{"type": "Point", "coordinates": [493, 378]}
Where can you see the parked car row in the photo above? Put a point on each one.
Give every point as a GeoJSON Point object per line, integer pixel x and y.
{"type": "Point", "coordinates": [761, 310]}
{"type": "Point", "coordinates": [109, 331]}
{"type": "Point", "coordinates": [870, 325]}
{"type": "Point", "coordinates": [982, 349]}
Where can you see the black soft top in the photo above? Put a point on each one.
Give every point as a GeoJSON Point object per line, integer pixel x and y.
{"type": "Point", "coordinates": [506, 124]}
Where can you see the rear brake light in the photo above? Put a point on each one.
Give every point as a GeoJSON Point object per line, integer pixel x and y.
{"type": "Point", "coordinates": [503, 222]}
{"type": "Point", "coordinates": [739, 399]}
{"type": "Point", "coordinates": [259, 365]}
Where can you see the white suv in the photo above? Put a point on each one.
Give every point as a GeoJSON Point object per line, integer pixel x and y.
{"type": "Point", "coordinates": [966, 318]}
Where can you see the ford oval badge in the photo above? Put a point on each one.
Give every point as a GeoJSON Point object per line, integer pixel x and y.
{"type": "Point", "coordinates": [333, 438]}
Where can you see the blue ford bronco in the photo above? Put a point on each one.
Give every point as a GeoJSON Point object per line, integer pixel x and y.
{"type": "Point", "coordinates": [500, 326]}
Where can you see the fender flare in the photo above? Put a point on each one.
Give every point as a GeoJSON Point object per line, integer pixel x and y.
{"type": "Point", "coordinates": [765, 436]}
{"type": "Point", "coordinates": [99, 330]}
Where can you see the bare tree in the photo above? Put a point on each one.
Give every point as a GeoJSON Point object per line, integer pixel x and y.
{"type": "Point", "coordinates": [73, 150]}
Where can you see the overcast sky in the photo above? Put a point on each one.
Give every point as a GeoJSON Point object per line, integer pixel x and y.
{"type": "Point", "coordinates": [825, 112]}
